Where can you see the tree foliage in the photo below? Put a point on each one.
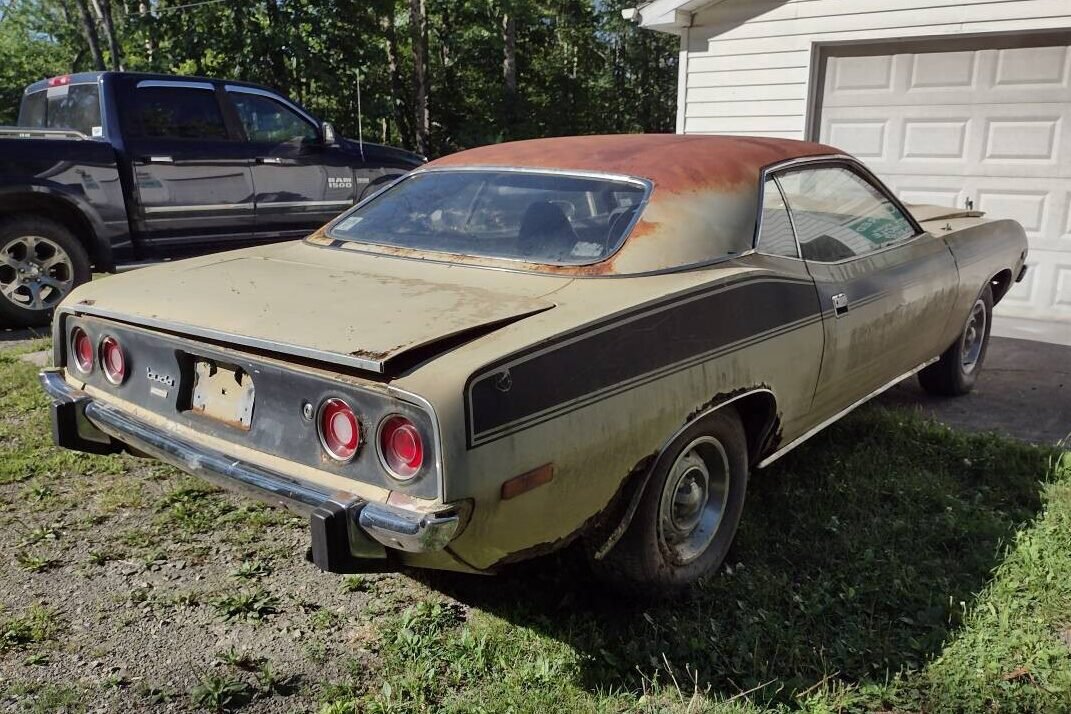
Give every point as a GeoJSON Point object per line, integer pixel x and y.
{"type": "Point", "coordinates": [495, 69]}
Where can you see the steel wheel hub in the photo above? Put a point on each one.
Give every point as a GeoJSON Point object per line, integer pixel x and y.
{"type": "Point", "coordinates": [35, 272]}
{"type": "Point", "coordinates": [693, 500]}
{"type": "Point", "coordinates": [973, 337]}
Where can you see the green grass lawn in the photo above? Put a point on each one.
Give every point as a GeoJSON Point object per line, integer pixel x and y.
{"type": "Point", "coordinates": [889, 565]}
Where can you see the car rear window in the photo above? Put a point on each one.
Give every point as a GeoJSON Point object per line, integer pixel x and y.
{"type": "Point", "coordinates": [517, 215]}
{"type": "Point", "coordinates": [68, 106]}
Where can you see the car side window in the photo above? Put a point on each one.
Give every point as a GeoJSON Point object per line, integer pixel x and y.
{"type": "Point", "coordinates": [268, 121]}
{"type": "Point", "coordinates": [775, 231]}
{"type": "Point", "coordinates": [840, 215]}
{"type": "Point", "coordinates": [179, 113]}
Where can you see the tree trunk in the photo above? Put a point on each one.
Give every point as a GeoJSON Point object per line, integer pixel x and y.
{"type": "Point", "coordinates": [418, 26]}
{"type": "Point", "coordinates": [401, 118]}
{"type": "Point", "coordinates": [509, 52]}
{"type": "Point", "coordinates": [89, 29]}
{"type": "Point", "coordinates": [276, 58]}
{"type": "Point", "coordinates": [150, 31]}
{"type": "Point", "coordinates": [104, 13]}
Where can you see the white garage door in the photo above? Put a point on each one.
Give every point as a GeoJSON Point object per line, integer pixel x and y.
{"type": "Point", "coordinates": [989, 128]}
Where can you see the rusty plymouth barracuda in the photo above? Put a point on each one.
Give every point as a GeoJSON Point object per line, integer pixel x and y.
{"type": "Point", "coordinates": [588, 340]}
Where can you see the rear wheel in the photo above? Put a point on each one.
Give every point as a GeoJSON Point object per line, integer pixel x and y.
{"type": "Point", "coordinates": [956, 371]}
{"type": "Point", "coordinates": [689, 510]}
{"type": "Point", "coordinates": [40, 263]}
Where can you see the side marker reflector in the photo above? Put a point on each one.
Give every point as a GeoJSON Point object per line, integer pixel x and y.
{"type": "Point", "coordinates": [527, 481]}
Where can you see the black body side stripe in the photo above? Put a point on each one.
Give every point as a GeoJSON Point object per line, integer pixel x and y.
{"type": "Point", "coordinates": [627, 350]}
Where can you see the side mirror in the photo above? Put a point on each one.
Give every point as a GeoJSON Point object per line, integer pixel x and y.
{"type": "Point", "coordinates": [329, 133]}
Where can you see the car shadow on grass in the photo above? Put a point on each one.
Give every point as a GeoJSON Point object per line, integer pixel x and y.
{"type": "Point", "coordinates": [858, 556]}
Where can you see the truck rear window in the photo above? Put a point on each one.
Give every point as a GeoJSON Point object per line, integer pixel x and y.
{"type": "Point", "coordinates": [70, 106]}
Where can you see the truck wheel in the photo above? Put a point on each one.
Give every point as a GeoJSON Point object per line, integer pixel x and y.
{"type": "Point", "coordinates": [689, 511]}
{"type": "Point", "coordinates": [957, 369]}
{"type": "Point", "coordinates": [40, 263]}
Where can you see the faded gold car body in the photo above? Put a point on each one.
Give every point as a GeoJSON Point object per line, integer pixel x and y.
{"type": "Point", "coordinates": [397, 322]}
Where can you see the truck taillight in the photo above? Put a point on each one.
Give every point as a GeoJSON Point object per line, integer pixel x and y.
{"type": "Point", "coordinates": [59, 81]}
{"type": "Point", "coordinates": [112, 360]}
{"type": "Point", "coordinates": [401, 447]}
{"type": "Point", "coordinates": [81, 350]}
{"type": "Point", "coordinates": [340, 432]}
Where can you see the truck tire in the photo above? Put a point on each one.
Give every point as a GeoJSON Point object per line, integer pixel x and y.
{"type": "Point", "coordinates": [41, 262]}
{"type": "Point", "coordinates": [955, 373]}
{"type": "Point", "coordinates": [689, 511]}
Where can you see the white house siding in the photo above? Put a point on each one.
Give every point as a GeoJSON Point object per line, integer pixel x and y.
{"type": "Point", "coordinates": [747, 70]}
{"type": "Point", "coordinates": [748, 61]}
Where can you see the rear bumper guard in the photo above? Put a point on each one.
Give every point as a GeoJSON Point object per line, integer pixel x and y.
{"type": "Point", "coordinates": [344, 527]}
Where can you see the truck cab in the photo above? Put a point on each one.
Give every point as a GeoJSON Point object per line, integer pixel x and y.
{"type": "Point", "coordinates": [134, 167]}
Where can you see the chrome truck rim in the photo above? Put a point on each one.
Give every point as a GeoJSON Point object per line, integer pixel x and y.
{"type": "Point", "coordinates": [973, 337]}
{"type": "Point", "coordinates": [694, 499]}
{"type": "Point", "coordinates": [35, 272]}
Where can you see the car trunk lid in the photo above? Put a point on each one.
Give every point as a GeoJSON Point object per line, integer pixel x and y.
{"type": "Point", "coordinates": [328, 305]}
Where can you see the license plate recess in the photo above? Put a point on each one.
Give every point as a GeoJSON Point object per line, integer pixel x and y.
{"type": "Point", "coordinates": [223, 392]}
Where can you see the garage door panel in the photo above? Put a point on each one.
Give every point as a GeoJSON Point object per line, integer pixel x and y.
{"type": "Point", "coordinates": [1033, 66]}
{"type": "Point", "coordinates": [990, 128]}
{"type": "Point", "coordinates": [968, 77]}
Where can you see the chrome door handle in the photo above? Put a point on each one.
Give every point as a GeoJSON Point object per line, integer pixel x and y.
{"type": "Point", "coordinates": [159, 159]}
{"type": "Point", "coordinates": [269, 160]}
{"type": "Point", "coordinates": [840, 304]}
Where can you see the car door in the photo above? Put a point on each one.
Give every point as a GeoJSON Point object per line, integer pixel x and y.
{"type": "Point", "coordinates": [192, 177]}
{"type": "Point", "coordinates": [301, 181]}
{"type": "Point", "coordinates": [886, 288]}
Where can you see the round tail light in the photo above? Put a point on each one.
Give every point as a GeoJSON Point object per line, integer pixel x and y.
{"type": "Point", "coordinates": [81, 350]}
{"type": "Point", "coordinates": [112, 360]}
{"type": "Point", "coordinates": [340, 432]}
{"type": "Point", "coordinates": [401, 446]}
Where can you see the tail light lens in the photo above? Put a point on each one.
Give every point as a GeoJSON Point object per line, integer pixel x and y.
{"type": "Point", "coordinates": [340, 432]}
{"type": "Point", "coordinates": [401, 447]}
{"type": "Point", "coordinates": [81, 350]}
{"type": "Point", "coordinates": [112, 360]}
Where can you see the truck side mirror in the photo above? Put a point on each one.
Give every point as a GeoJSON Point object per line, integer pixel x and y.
{"type": "Point", "coordinates": [329, 133]}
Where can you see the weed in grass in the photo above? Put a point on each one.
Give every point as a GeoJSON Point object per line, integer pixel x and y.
{"type": "Point", "coordinates": [194, 507]}
{"type": "Point", "coordinates": [103, 557]}
{"type": "Point", "coordinates": [251, 605]}
{"type": "Point", "coordinates": [37, 624]}
{"type": "Point", "coordinates": [270, 682]}
{"type": "Point", "coordinates": [49, 698]}
{"type": "Point", "coordinates": [35, 659]}
{"type": "Point", "coordinates": [38, 492]}
{"type": "Point", "coordinates": [355, 584]}
{"type": "Point", "coordinates": [325, 620]}
{"type": "Point", "coordinates": [34, 563]}
{"type": "Point", "coordinates": [242, 659]}
{"type": "Point", "coordinates": [157, 695]}
{"type": "Point", "coordinates": [252, 570]}
{"type": "Point", "coordinates": [115, 681]}
{"type": "Point", "coordinates": [38, 534]}
{"type": "Point", "coordinates": [138, 538]}
{"type": "Point", "coordinates": [219, 693]}
{"type": "Point", "coordinates": [316, 651]}
{"type": "Point", "coordinates": [186, 598]}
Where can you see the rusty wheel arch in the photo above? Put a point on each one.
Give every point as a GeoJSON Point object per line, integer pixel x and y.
{"type": "Point", "coordinates": [757, 409]}
{"type": "Point", "coordinates": [1000, 284]}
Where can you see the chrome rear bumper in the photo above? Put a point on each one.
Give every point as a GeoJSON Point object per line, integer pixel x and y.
{"type": "Point", "coordinates": [342, 523]}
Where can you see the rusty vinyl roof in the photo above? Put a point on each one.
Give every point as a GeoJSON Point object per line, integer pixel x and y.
{"type": "Point", "coordinates": [702, 206]}
{"type": "Point", "coordinates": [675, 163]}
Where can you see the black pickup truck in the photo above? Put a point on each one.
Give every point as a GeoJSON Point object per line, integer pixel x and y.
{"type": "Point", "coordinates": [112, 168]}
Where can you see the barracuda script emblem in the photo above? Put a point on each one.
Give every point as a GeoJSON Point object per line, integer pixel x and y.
{"type": "Point", "coordinates": [164, 379]}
